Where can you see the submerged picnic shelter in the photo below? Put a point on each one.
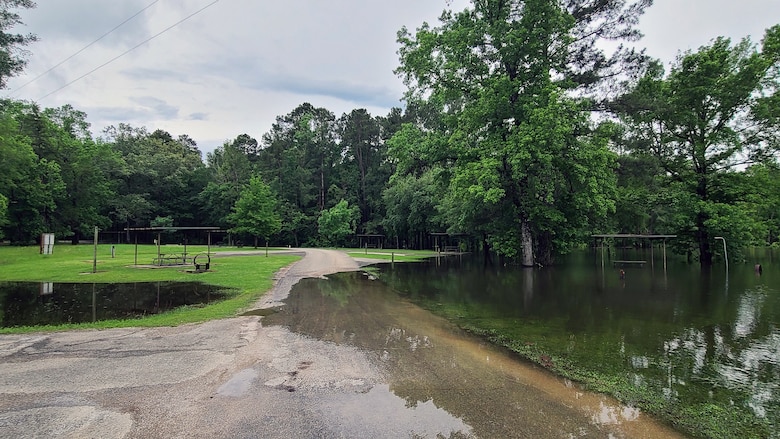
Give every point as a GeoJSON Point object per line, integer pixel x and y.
{"type": "Point", "coordinates": [600, 239]}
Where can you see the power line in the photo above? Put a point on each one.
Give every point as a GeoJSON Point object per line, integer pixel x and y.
{"type": "Point", "coordinates": [84, 48]}
{"type": "Point", "coordinates": [130, 49]}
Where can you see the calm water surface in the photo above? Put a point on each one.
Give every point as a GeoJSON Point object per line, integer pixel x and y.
{"type": "Point", "coordinates": [35, 303]}
{"type": "Point", "coordinates": [439, 381]}
{"type": "Point", "coordinates": [694, 336]}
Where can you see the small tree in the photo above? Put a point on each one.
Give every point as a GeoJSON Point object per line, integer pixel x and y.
{"type": "Point", "coordinates": [256, 211]}
{"type": "Point", "coordinates": [337, 223]}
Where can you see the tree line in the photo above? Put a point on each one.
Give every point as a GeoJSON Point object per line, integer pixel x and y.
{"type": "Point", "coordinates": [519, 131]}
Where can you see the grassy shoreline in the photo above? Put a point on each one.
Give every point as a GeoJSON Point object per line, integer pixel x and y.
{"type": "Point", "coordinates": [249, 276]}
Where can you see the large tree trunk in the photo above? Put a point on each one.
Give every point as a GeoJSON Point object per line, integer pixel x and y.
{"type": "Point", "coordinates": [527, 244]}
{"type": "Point", "coordinates": [486, 250]}
{"type": "Point", "coordinates": [702, 233]}
{"type": "Point", "coordinates": [703, 236]}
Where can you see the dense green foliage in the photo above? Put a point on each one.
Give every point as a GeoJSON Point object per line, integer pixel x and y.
{"type": "Point", "coordinates": [716, 111]}
{"type": "Point", "coordinates": [337, 223]}
{"type": "Point", "coordinates": [12, 59]}
{"type": "Point", "coordinates": [255, 211]}
{"type": "Point", "coordinates": [497, 144]}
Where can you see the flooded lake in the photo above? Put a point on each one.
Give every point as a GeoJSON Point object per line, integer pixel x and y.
{"type": "Point", "coordinates": [702, 341]}
{"type": "Point", "coordinates": [460, 385]}
{"type": "Point", "coordinates": [36, 303]}
{"type": "Point", "coordinates": [694, 337]}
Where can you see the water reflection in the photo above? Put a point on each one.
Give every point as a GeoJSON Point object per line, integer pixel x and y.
{"type": "Point", "coordinates": [431, 364]}
{"type": "Point", "coordinates": [695, 336]}
{"type": "Point", "coordinates": [33, 303]}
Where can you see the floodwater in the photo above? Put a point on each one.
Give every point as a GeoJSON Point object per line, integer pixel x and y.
{"type": "Point", "coordinates": [691, 336]}
{"type": "Point", "coordinates": [458, 384]}
{"type": "Point", "coordinates": [36, 303]}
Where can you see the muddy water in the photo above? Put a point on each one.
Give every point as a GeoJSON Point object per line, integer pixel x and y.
{"type": "Point", "coordinates": [464, 386]}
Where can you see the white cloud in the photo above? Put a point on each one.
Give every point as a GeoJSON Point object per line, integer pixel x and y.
{"type": "Point", "coordinates": [239, 64]}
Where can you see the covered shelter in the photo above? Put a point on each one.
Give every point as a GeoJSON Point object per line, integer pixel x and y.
{"type": "Point", "coordinates": [367, 240]}
{"type": "Point", "coordinates": [447, 242]}
{"type": "Point", "coordinates": [600, 239]}
{"type": "Point", "coordinates": [159, 230]}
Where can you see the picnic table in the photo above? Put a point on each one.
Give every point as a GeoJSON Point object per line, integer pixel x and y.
{"type": "Point", "coordinates": [171, 259]}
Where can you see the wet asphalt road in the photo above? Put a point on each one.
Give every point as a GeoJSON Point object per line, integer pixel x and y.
{"type": "Point", "coordinates": [326, 366]}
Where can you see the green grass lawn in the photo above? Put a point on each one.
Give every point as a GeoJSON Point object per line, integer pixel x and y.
{"type": "Point", "coordinates": [249, 276]}
{"type": "Point", "coordinates": [390, 254]}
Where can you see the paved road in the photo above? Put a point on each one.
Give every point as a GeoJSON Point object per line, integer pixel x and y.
{"type": "Point", "coordinates": [237, 378]}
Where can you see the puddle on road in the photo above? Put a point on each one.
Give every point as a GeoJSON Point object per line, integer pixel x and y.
{"type": "Point", "coordinates": [239, 384]}
{"type": "Point", "coordinates": [433, 366]}
{"type": "Point", "coordinates": [380, 406]}
{"type": "Point", "coordinates": [262, 312]}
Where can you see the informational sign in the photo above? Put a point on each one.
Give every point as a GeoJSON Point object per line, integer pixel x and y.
{"type": "Point", "coordinates": [47, 243]}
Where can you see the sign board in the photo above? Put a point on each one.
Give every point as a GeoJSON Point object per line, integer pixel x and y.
{"type": "Point", "coordinates": [47, 243]}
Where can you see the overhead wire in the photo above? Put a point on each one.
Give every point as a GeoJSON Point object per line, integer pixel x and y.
{"type": "Point", "coordinates": [83, 48]}
{"type": "Point", "coordinates": [129, 50]}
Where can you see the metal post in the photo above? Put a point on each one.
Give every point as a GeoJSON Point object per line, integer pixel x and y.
{"type": "Point", "coordinates": [664, 255]}
{"type": "Point", "coordinates": [725, 253]}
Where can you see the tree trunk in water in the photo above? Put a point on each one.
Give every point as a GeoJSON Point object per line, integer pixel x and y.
{"type": "Point", "coordinates": [702, 231]}
{"type": "Point", "coordinates": [527, 243]}
{"type": "Point", "coordinates": [544, 250]}
{"type": "Point", "coordinates": [486, 249]}
{"type": "Point", "coordinates": [703, 236]}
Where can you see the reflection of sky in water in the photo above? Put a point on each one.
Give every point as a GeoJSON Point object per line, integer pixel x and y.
{"type": "Point", "coordinates": [748, 313]}
{"type": "Point", "coordinates": [423, 419]}
{"type": "Point", "coordinates": [610, 414]}
{"type": "Point", "coordinates": [747, 360]}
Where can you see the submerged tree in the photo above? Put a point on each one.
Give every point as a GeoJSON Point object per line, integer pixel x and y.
{"type": "Point", "coordinates": [716, 111]}
{"type": "Point", "coordinates": [518, 141]}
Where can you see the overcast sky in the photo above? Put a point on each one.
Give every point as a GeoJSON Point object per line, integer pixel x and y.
{"type": "Point", "coordinates": [238, 64]}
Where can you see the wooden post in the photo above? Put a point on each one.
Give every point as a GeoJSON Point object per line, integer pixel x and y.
{"type": "Point", "coordinates": [94, 256]}
{"type": "Point", "coordinates": [135, 261]}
